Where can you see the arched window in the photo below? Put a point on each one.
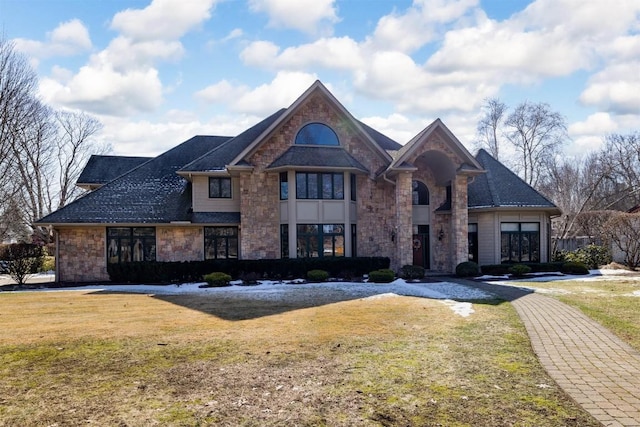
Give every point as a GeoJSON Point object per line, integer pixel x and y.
{"type": "Point", "coordinates": [317, 134]}
{"type": "Point", "coordinates": [420, 193]}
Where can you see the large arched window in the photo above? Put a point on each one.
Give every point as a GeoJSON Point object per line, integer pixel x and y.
{"type": "Point", "coordinates": [420, 193]}
{"type": "Point", "coordinates": [317, 134]}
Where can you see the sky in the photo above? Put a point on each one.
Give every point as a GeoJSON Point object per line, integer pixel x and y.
{"type": "Point", "coordinates": [157, 72]}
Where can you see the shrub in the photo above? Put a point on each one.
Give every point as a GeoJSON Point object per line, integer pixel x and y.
{"type": "Point", "coordinates": [593, 256]}
{"type": "Point", "coordinates": [285, 268]}
{"type": "Point", "coordinates": [48, 264]}
{"type": "Point", "coordinates": [317, 276]}
{"type": "Point", "coordinates": [217, 279]}
{"type": "Point", "coordinates": [412, 272]}
{"type": "Point", "coordinates": [519, 270]}
{"type": "Point", "coordinates": [22, 259]}
{"type": "Point", "coordinates": [249, 278]}
{"type": "Point", "coordinates": [383, 275]}
{"type": "Point", "coordinates": [572, 267]}
{"type": "Point", "coordinates": [467, 269]}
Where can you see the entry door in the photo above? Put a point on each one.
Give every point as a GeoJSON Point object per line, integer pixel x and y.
{"type": "Point", "coordinates": [421, 254]}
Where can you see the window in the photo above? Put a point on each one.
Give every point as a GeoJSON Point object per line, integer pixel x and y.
{"type": "Point", "coordinates": [131, 244]}
{"type": "Point", "coordinates": [420, 193]}
{"type": "Point", "coordinates": [473, 242]}
{"type": "Point", "coordinates": [354, 192]}
{"type": "Point", "coordinates": [354, 241]}
{"type": "Point", "coordinates": [284, 186]}
{"type": "Point", "coordinates": [219, 188]}
{"type": "Point", "coordinates": [284, 241]}
{"type": "Point", "coordinates": [520, 241]}
{"type": "Point", "coordinates": [220, 242]}
{"type": "Point", "coordinates": [320, 240]}
{"type": "Point", "coordinates": [313, 185]}
{"type": "Point", "coordinates": [317, 134]}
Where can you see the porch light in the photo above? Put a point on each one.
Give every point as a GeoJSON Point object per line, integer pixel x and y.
{"type": "Point", "coordinates": [441, 234]}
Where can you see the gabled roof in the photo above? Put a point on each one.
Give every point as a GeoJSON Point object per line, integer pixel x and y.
{"type": "Point", "coordinates": [316, 157]}
{"type": "Point", "coordinates": [219, 158]}
{"type": "Point", "coordinates": [373, 138]}
{"type": "Point", "coordinates": [401, 156]}
{"type": "Point", "coordinates": [101, 169]}
{"type": "Point", "coordinates": [150, 193]}
{"type": "Point", "coordinates": [500, 187]}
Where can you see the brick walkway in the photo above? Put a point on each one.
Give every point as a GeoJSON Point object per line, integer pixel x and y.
{"type": "Point", "coordinates": [594, 367]}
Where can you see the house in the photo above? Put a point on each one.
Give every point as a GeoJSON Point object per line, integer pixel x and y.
{"type": "Point", "coordinates": [308, 181]}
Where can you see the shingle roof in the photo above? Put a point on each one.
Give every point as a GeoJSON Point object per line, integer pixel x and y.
{"type": "Point", "coordinates": [220, 157]}
{"type": "Point", "coordinates": [305, 156]}
{"type": "Point", "coordinates": [102, 169]}
{"type": "Point", "coordinates": [500, 187]}
{"type": "Point", "coordinates": [150, 193]}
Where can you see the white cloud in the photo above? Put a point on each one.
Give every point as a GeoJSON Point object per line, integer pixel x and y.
{"type": "Point", "coordinates": [341, 53]}
{"type": "Point", "coordinates": [598, 123]}
{"type": "Point", "coordinates": [103, 90]}
{"type": "Point", "coordinates": [396, 126]}
{"type": "Point", "coordinates": [162, 19]}
{"type": "Point", "coordinates": [67, 39]}
{"type": "Point", "coordinates": [146, 138]}
{"type": "Point", "coordinates": [615, 89]}
{"type": "Point", "coordinates": [221, 92]}
{"type": "Point", "coordinates": [418, 25]}
{"type": "Point", "coordinates": [307, 16]}
{"type": "Point", "coordinates": [265, 99]}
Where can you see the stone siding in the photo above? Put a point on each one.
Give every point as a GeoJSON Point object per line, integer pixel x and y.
{"type": "Point", "coordinates": [81, 254]}
{"type": "Point", "coordinates": [260, 191]}
{"type": "Point", "coordinates": [179, 244]}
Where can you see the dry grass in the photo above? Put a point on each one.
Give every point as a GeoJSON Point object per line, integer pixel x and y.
{"type": "Point", "coordinates": [75, 358]}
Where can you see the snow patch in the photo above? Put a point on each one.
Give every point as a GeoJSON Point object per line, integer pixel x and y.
{"type": "Point", "coordinates": [463, 309]}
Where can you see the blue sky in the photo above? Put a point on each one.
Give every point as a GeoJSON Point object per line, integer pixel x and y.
{"type": "Point", "coordinates": [157, 72]}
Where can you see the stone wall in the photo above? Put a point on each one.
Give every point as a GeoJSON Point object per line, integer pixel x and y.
{"type": "Point", "coordinates": [81, 254]}
{"type": "Point", "coordinates": [259, 204]}
{"type": "Point", "coordinates": [179, 244]}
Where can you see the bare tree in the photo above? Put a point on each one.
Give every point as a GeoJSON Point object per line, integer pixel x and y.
{"type": "Point", "coordinates": [489, 127]}
{"type": "Point", "coordinates": [41, 151]}
{"type": "Point", "coordinates": [74, 144]}
{"type": "Point", "coordinates": [18, 84]}
{"type": "Point", "coordinates": [620, 157]}
{"type": "Point", "coordinates": [537, 133]}
{"type": "Point", "coordinates": [623, 230]}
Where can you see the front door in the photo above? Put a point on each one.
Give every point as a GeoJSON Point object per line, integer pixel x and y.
{"type": "Point", "coordinates": [421, 255]}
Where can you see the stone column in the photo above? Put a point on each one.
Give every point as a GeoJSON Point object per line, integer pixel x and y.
{"type": "Point", "coordinates": [459, 221]}
{"type": "Point", "coordinates": [403, 224]}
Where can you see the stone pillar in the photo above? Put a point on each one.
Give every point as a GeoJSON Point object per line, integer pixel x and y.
{"type": "Point", "coordinates": [403, 225]}
{"type": "Point", "coordinates": [459, 221]}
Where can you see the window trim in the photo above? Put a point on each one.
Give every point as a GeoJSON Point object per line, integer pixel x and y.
{"type": "Point", "coordinates": [214, 242]}
{"type": "Point", "coordinates": [519, 233]}
{"type": "Point", "coordinates": [319, 236]}
{"type": "Point", "coordinates": [145, 241]}
{"type": "Point", "coordinates": [333, 136]}
{"type": "Point", "coordinates": [337, 192]}
{"type": "Point", "coordinates": [220, 180]}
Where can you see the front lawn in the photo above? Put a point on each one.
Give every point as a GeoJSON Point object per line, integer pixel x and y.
{"type": "Point", "coordinates": [82, 358]}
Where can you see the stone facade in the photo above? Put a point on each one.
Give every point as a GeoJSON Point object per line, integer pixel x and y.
{"type": "Point", "coordinates": [81, 254]}
{"type": "Point", "coordinates": [179, 243]}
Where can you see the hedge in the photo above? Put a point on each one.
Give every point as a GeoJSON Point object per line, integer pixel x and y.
{"type": "Point", "coordinates": [275, 269]}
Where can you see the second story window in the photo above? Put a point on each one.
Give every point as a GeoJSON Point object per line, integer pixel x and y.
{"type": "Point", "coordinates": [316, 134]}
{"type": "Point", "coordinates": [314, 185]}
{"type": "Point", "coordinates": [219, 188]}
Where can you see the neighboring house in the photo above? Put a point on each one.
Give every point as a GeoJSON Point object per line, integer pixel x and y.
{"type": "Point", "coordinates": [307, 181]}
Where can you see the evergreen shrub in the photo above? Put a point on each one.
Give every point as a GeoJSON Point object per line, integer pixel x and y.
{"type": "Point", "coordinates": [467, 269]}
{"type": "Point", "coordinates": [382, 276]}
